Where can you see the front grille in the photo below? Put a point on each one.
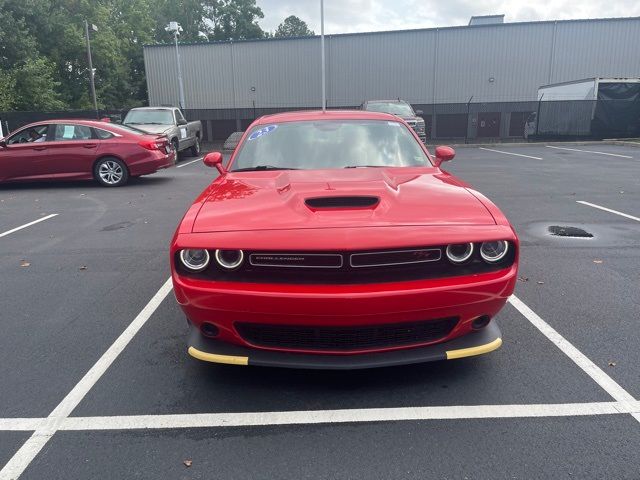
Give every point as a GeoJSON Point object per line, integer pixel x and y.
{"type": "Point", "coordinates": [345, 339]}
{"type": "Point", "coordinates": [397, 257]}
{"type": "Point", "coordinates": [347, 267]}
{"type": "Point", "coordinates": [296, 260]}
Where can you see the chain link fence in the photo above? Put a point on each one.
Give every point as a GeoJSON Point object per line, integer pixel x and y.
{"type": "Point", "coordinates": [451, 122]}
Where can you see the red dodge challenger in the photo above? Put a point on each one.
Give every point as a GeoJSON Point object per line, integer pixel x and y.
{"type": "Point", "coordinates": [335, 241]}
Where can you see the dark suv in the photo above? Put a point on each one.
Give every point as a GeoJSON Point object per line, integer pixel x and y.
{"type": "Point", "coordinates": [401, 109]}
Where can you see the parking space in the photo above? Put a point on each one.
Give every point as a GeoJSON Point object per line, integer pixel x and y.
{"type": "Point", "coordinates": [545, 405]}
{"type": "Point", "coordinates": [586, 288]}
{"type": "Point", "coordinates": [479, 449]}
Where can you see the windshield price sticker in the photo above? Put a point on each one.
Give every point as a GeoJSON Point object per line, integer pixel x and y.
{"type": "Point", "coordinates": [263, 131]}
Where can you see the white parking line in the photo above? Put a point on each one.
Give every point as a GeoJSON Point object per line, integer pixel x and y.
{"type": "Point", "coordinates": [305, 417]}
{"type": "Point", "coordinates": [509, 153]}
{"type": "Point", "coordinates": [189, 163]}
{"type": "Point", "coordinates": [596, 373]}
{"type": "Point", "coordinates": [24, 456]}
{"type": "Point", "coordinates": [20, 424]}
{"type": "Point", "coordinates": [626, 215]}
{"type": "Point", "coordinates": [311, 417]}
{"type": "Point", "coordinates": [9, 232]}
{"type": "Point", "coordinates": [589, 151]}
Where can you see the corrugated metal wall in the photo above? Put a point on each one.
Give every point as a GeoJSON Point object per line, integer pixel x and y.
{"type": "Point", "coordinates": [504, 62]}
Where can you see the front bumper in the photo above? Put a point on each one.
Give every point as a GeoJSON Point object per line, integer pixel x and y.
{"type": "Point", "coordinates": [472, 344]}
{"type": "Point", "coordinates": [369, 305]}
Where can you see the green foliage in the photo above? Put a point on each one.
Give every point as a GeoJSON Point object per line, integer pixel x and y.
{"type": "Point", "coordinates": [7, 90]}
{"type": "Point", "coordinates": [236, 20]}
{"type": "Point", "coordinates": [35, 86]}
{"type": "Point", "coordinates": [43, 59]}
{"type": "Point", "coordinates": [293, 27]}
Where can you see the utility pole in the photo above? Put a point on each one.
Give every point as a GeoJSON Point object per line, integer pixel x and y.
{"type": "Point", "coordinates": [175, 28]}
{"type": "Point", "coordinates": [324, 80]}
{"type": "Point", "coordinates": [91, 72]}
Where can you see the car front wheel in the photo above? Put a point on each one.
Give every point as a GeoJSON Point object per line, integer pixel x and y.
{"type": "Point", "coordinates": [111, 172]}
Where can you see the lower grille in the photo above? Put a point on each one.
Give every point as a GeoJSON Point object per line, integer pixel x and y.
{"type": "Point", "coordinates": [345, 339]}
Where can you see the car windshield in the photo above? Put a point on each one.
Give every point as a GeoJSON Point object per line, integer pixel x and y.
{"type": "Point", "coordinates": [395, 108]}
{"type": "Point", "coordinates": [325, 144]}
{"type": "Point", "coordinates": [149, 117]}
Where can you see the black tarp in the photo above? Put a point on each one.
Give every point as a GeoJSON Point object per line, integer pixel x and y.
{"type": "Point", "coordinates": [617, 113]}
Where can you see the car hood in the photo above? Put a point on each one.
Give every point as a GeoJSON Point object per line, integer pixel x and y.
{"type": "Point", "coordinates": [152, 128]}
{"type": "Point", "coordinates": [361, 197]}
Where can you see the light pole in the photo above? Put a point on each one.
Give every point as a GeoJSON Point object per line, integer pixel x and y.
{"type": "Point", "coordinates": [91, 72]}
{"type": "Point", "coordinates": [324, 81]}
{"type": "Point", "coordinates": [175, 28]}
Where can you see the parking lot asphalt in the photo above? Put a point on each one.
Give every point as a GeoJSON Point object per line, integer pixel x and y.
{"type": "Point", "coordinates": [73, 283]}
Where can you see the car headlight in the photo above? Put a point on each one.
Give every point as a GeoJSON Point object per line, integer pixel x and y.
{"type": "Point", "coordinates": [195, 260]}
{"type": "Point", "coordinates": [492, 252]}
{"type": "Point", "coordinates": [459, 252]}
{"type": "Point", "coordinates": [229, 259]}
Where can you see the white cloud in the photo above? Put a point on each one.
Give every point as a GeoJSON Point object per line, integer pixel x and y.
{"type": "Point", "coordinates": [344, 16]}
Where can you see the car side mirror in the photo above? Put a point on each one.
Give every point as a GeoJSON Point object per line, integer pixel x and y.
{"type": "Point", "coordinates": [419, 112]}
{"type": "Point", "coordinates": [181, 122]}
{"type": "Point", "coordinates": [444, 154]}
{"type": "Point", "coordinates": [214, 159]}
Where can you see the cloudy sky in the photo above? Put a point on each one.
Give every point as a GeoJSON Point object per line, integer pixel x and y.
{"type": "Point", "coordinates": [343, 16]}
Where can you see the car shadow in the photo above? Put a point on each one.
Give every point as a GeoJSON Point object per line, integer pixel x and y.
{"type": "Point", "coordinates": [438, 374]}
{"type": "Point", "coordinates": [81, 184]}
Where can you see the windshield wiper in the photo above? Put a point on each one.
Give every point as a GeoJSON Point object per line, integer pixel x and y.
{"type": "Point", "coordinates": [258, 168]}
{"type": "Point", "coordinates": [366, 166]}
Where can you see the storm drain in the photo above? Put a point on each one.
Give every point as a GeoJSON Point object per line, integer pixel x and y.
{"type": "Point", "coordinates": [573, 232]}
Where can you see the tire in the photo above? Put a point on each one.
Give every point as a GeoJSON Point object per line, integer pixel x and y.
{"type": "Point", "coordinates": [110, 172]}
{"type": "Point", "coordinates": [195, 150]}
{"type": "Point", "coordinates": [174, 145]}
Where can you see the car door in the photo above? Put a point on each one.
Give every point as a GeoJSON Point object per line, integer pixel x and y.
{"type": "Point", "coordinates": [72, 150]}
{"type": "Point", "coordinates": [187, 130]}
{"type": "Point", "coordinates": [25, 153]}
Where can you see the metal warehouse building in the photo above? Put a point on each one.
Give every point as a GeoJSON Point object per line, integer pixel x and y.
{"type": "Point", "coordinates": [463, 78]}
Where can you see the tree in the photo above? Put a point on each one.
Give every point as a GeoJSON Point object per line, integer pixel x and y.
{"type": "Point", "coordinates": [293, 27]}
{"type": "Point", "coordinates": [236, 20]}
{"type": "Point", "coordinates": [194, 16]}
{"type": "Point", "coordinates": [35, 86]}
{"type": "Point", "coordinates": [7, 90]}
{"type": "Point", "coordinates": [43, 60]}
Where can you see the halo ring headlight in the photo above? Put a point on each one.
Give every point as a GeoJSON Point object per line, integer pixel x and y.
{"type": "Point", "coordinates": [195, 260]}
{"type": "Point", "coordinates": [460, 252]}
{"type": "Point", "coordinates": [493, 252]}
{"type": "Point", "coordinates": [229, 259]}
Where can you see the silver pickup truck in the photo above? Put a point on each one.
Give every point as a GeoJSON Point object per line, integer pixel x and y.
{"type": "Point", "coordinates": [170, 122]}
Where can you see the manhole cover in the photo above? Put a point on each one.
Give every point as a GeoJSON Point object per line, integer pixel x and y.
{"type": "Point", "coordinates": [574, 232]}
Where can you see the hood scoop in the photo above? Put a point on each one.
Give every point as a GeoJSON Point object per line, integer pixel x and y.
{"type": "Point", "coordinates": [329, 203]}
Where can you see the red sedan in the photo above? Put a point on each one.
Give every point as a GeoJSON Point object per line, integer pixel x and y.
{"type": "Point", "coordinates": [335, 240]}
{"type": "Point", "coordinates": [82, 150]}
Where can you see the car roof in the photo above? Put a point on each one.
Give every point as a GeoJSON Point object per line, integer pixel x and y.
{"type": "Point", "coordinates": [311, 115]}
{"type": "Point", "coordinates": [395, 100]}
{"type": "Point", "coordinates": [161, 107]}
{"type": "Point", "coordinates": [76, 121]}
